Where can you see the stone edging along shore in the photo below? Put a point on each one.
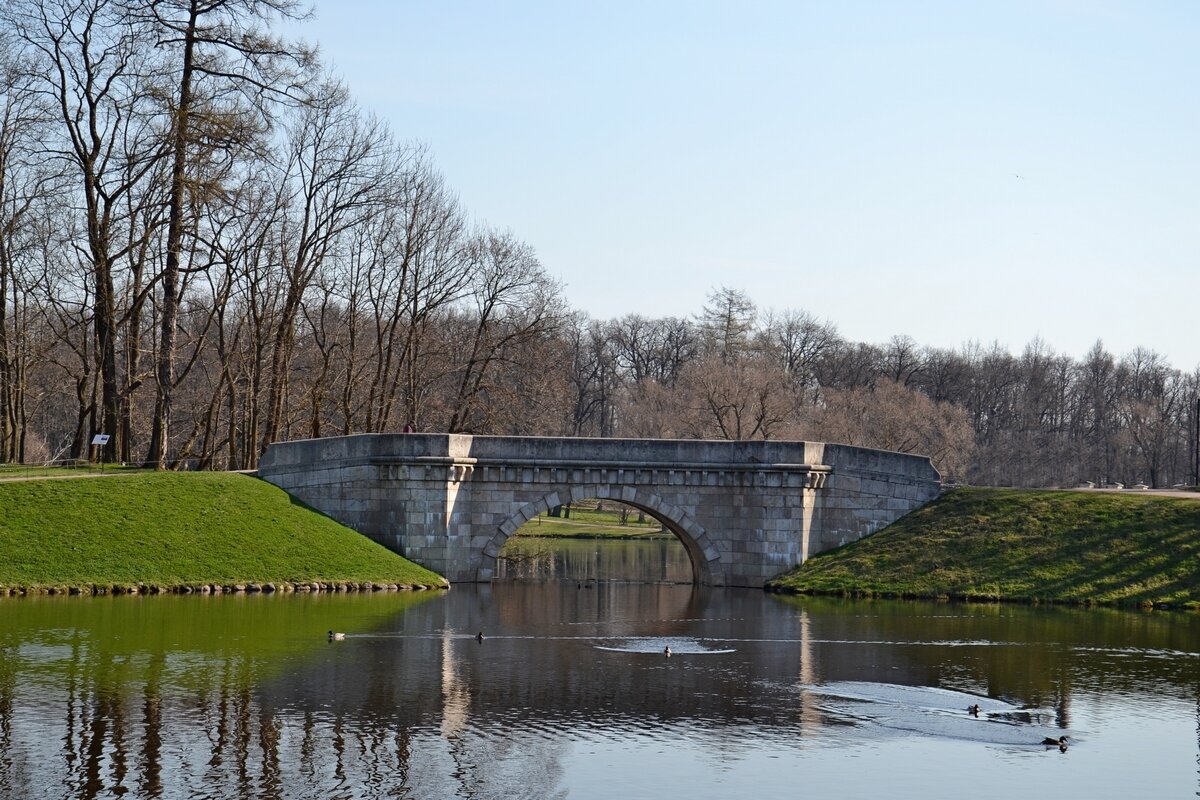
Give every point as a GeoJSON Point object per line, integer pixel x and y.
{"type": "Point", "coordinates": [282, 587]}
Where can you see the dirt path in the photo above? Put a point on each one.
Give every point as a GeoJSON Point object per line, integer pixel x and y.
{"type": "Point", "coordinates": [1175, 493]}
{"type": "Point", "coordinates": [14, 478]}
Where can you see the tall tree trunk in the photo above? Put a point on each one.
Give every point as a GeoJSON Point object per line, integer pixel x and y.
{"type": "Point", "coordinates": [8, 420]}
{"type": "Point", "coordinates": [165, 369]}
{"type": "Point", "coordinates": [106, 347]}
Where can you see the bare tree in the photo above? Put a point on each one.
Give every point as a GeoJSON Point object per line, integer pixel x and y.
{"type": "Point", "coordinates": [1150, 412]}
{"type": "Point", "coordinates": [513, 302]}
{"type": "Point", "coordinates": [744, 399]}
{"type": "Point", "coordinates": [1097, 391]}
{"type": "Point", "coordinates": [902, 359]}
{"type": "Point", "coordinates": [654, 349]}
{"type": "Point", "coordinates": [799, 341]}
{"type": "Point", "coordinates": [423, 269]}
{"type": "Point", "coordinates": [592, 374]}
{"type": "Point", "coordinates": [88, 61]}
{"type": "Point", "coordinates": [331, 181]}
{"type": "Point", "coordinates": [728, 321]}
{"type": "Point", "coordinates": [244, 235]}
{"type": "Point", "coordinates": [848, 365]}
{"type": "Point", "coordinates": [25, 186]}
{"type": "Point", "coordinates": [231, 66]}
{"type": "Point", "coordinates": [944, 377]}
{"type": "Point", "coordinates": [892, 416]}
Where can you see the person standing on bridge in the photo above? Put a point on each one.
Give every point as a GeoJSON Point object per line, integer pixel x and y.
{"type": "Point", "coordinates": [410, 427]}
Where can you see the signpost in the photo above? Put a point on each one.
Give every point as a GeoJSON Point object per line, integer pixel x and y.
{"type": "Point", "coordinates": [99, 440]}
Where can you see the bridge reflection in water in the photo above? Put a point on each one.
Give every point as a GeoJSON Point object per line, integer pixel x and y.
{"type": "Point", "coordinates": [242, 697]}
{"type": "Point", "coordinates": [660, 560]}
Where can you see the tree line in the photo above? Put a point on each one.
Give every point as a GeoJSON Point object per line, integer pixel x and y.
{"type": "Point", "coordinates": [207, 246]}
{"type": "Point", "coordinates": [983, 414]}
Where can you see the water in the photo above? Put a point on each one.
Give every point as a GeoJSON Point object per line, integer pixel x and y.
{"type": "Point", "coordinates": [643, 561]}
{"type": "Point", "coordinates": [569, 695]}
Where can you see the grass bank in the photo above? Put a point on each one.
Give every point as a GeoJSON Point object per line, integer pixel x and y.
{"type": "Point", "coordinates": [586, 522]}
{"type": "Point", "coordinates": [1023, 545]}
{"type": "Point", "coordinates": [176, 531]}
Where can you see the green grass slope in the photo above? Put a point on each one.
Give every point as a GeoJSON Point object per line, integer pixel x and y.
{"type": "Point", "coordinates": [588, 523]}
{"type": "Point", "coordinates": [180, 529]}
{"type": "Point", "coordinates": [1012, 544]}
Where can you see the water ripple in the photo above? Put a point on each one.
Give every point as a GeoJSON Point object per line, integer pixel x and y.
{"type": "Point", "coordinates": [656, 644]}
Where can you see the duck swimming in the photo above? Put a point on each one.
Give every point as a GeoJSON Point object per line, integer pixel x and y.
{"type": "Point", "coordinates": [479, 636]}
{"type": "Point", "coordinates": [1060, 743]}
{"type": "Point", "coordinates": [336, 637]}
{"type": "Point", "coordinates": [973, 710]}
{"type": "Point", "coordinates": [667, 651]}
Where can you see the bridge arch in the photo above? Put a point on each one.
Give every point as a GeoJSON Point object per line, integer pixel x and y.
{"type": "Point", "coordinates": [704, 556]}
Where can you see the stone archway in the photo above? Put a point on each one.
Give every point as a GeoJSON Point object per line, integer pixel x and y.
{"type": "Point", "coordinates": [704, 557]}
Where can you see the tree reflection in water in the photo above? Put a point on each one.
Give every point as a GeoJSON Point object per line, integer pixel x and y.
{"type": "Point", "coordinates": [244, 697]}
{"type": "Point", "coordinates": [661, 560]}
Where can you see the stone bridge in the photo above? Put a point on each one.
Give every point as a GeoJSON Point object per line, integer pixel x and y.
{"type": "Point", "coordinates": [745, 511]}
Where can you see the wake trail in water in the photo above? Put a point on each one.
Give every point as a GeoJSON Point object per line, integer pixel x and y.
{"type": "Point", "coordinates": [615, 644]}
{"type": "Point", "coordinates": [655, 644]}
{"type": "Point", "coordinates": [934, 711]}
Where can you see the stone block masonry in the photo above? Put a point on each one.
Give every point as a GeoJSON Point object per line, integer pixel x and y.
{"type": "Point", "coordinates": [745, 511]}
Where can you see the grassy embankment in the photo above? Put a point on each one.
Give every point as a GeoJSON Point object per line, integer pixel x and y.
{"type": "Point", "coordinates": [1023, 545]}
{"type": "Point", "coordinates": [171, 531]}
{"type": "Point", "coordinates": [586, 522]}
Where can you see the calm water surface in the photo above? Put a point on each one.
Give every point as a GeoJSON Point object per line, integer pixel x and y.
{"type": "Point", "coordinates": [569, 695]}
{"type": "Point", "coordinates": [641, 561]}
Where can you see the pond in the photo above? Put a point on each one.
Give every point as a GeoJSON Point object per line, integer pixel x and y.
{"type": "Point", "coordinates": [570, 695]}
{"type": "Point", "coordinates": [657, 560]}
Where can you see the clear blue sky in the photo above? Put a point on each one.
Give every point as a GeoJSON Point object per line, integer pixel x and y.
{"type": "Point", "coordinates": [947, 170]}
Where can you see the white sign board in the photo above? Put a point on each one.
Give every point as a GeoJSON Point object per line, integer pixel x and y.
{"type": "Point", "coordinates": [100, 439]}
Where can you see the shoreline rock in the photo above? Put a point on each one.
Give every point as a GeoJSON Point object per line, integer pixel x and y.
{"type": "Point", "coordinates": [210, 589]}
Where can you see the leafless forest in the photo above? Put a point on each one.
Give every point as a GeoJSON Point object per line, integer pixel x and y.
{"type": "Point", "coordinates": [206, 246]}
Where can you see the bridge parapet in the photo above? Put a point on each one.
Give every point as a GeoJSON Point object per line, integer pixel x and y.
{"type": "Point", "coordinates": [744, 510]}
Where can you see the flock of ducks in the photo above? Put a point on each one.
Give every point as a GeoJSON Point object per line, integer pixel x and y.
{"type": "Point", "coordinates": [1060, 742]}
{"type": "Point", "coordinates": [973, 709]}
